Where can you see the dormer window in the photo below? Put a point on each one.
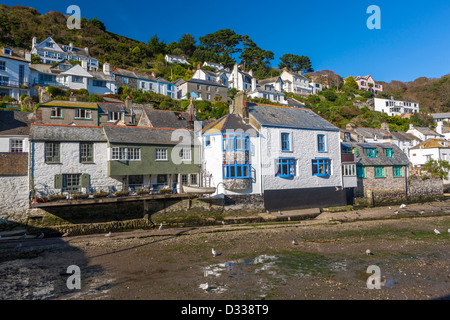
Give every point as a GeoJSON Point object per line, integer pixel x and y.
{"type": "Point", "coordinates": [49, 44]}
{"type": "Point", "coordinates": [113, 116]}
{"type": "Point", "coordinates": [7, 51]}
{"type": "Point", "coordinates": [370, 152]}
{"type": "Point", "coordinates": [388, 153]}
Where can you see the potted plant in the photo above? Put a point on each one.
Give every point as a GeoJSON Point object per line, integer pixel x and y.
{"type": "Point", "coordinates": [142, 191]}
{"type": "Point", "coordinates": [165, 191]}
{"type": "Point", "coordinates": [100, 194]}
{"type": "Point", "coordinates": [78, 196]}
{"type": "Point", "coordinates": [57, 197]}
{"type": "Point", "coordinates": [121, 193]}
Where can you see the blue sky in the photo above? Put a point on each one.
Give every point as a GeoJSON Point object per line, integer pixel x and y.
{"type": "Point", "coordinates": [414, 39]}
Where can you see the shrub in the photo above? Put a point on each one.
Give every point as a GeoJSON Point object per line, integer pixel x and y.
{"type": "Point", "coordinates": [142, 191]}
{"type": "Point", "coordinates": [57, 197]}
{"type": "Point", "coordinates": [121, 193]}
{"type": "Point", "coordinates": [100, 194]}
{"type": "Point", "coordinates": [80, 196]}
{"type": "Point", "coordinates": [165, 191]}
{"type": "Point", "coordinates": [55, 91]}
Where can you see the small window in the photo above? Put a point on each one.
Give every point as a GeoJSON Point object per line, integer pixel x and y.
{"type": "Point", "coordinates": [207, 141]}
{"type": "Point", "coordinates": [161, 154]}
{"type": "Point", "coordinates": [161, 179]}
{"type": "Point", "coordinates": [321, 142]}
{"type": "Point", "coordinates": [379, 171]}
{"type": "Point", "coordinates": [193, 179]}
{"type": "Point", "coordinates": [388, 153]}
{"type": "Point", "coordinates": [2, 65]}
{"type": "Point", "coordinates": [285, 167]}
{"type": "Point", "coordinates": [185, 154]}
{"type": "Point", "coordinates": [16, 145]}
{"type": "Point", "coordinates": [56, 113]}
{"type": "Point", "coordinates": [99, 83]}
{"type": "Point", "coordinates": [370, 152]}
{"type": "Point", "coordinates": [77, 79]}
{"type": "Point", "coordinates": [52, 152]}
{"type": "Point", "coordinates": [71, 182]}
{"type": "Point", "coordinates": [321, 167]}
{"type": "Point", "coordinates": [83, 114]}
{"type": "Point", "coordinates": [235, 142]}
{"type": "Point", "coordinates": [114, 116]}
{"type": "Point", "coordinates": [285, 142]}
{"type": "Point", "coordinates": [184, 179]}
{"type": "Point", "coordinates": [86, 152]}
{"type": "Point", "coordinates": [397, 171]}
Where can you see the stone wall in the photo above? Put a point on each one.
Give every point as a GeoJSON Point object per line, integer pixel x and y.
{"type": "Point", "coordinates": [14, 164]}
{"type": "Point", "coordinates": [425, 188]}
{"type": "Point", "coordinates": [13, 197]}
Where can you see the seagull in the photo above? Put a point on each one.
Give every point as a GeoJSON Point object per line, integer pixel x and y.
{"type": "Point", "coordinates": [294, 242]}
{"type": "Point", "coordinates": [66, 234]}
{"type": "Point", "coordinates": [108, 234]}
{"type": "Point", "coordinates": [214, 252]}
{"type": "Point", "coordinates": [160, 226]}
{"type": "Point", "coordinates": [41, 235]}
{"type": "Point", "coordinates": [390, 208]}
{"type": "Point", "coordinates": [436, 231]}
{"type": "Point", "coordinates": [205, 286]}
{"type": "Point", "coordinates": [422, 212]}
{"type": "Point", "coordinates": [395, 212]}
{"type": "Point", "coordinates": [448, 230]}
{"type": "Point", "coordinates": [402, 206]}
{"type": "Point", "coordinates": [24, 236]}
{"type": "Point", "coordinates": [223, 222]}
{"type": "Point", "coordinates": [368, 252]}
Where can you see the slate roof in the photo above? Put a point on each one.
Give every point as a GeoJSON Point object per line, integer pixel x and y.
{"type": "Point", "coordinates": [142, 135]}
{"type": "Point", "coordinates": [289, 117]}
{"type": "Point", "coordinates": [206, 82]}
{"type": "Point", "coordinates": [403, 136]}
{"type": "Point", "coordinates": [168, 119]}
{"type": "Point", "coordinates": [432, 143]}
{"type": "Point", "coordinates": [227, 123]}
{"type": "Point", "coordinates": [399, 158]}
{"type": "Point", "coordinates": [139, 75]}
{"type": "Point", "coordinates": [371, 132]}
{"type": "Point", "coordinates": [440, 115]}
{"type": "Point", "coordinates": [427, 131]}
{"type": "Point", "coordinates": [104, 108]}
{"type": "Point", "coordinates": [15, 122]}
{"type": "Point", "coordinates": [101, 76]}
{"type": "Point", "coordinates": [41, 132]}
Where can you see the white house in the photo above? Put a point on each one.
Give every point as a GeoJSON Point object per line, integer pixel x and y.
{"type": "Point", "coordinates": [271, 89]}
{"type": "Point", "coordinates": [289, 156]}
{"type": "Point", "coordinates": [14, 74]}
{"type": "Point", "coordinates": [441, 116]}
{"type": "Point", "coordinates": [216, 66]}
{"type": "Point", "coordinates": [424, 133]}
{"type": "Point", "coordinates": [240, 80]}
{"type": "Point", "coordinates": [296, 83]}
{"type": "Point", "coordinates": [176, 59]}
{"type": "Point", "coordinates": [78, 77]}
{"type": "Point", "coordinates": [14, 131]}
{"type": "Point", "coordinates": [395, 107]}
{"type": "Point", "coordinates": [49, 51]}
{"type": "Point", "coordinates": [436, 149]}
{"type": "Point", "coordinates": [69, 159]}
{"type": "Point", "coordinates": [443, 130]}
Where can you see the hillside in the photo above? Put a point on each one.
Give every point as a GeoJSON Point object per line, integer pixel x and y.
{"type": "Point", "coordinates": [432, 94]}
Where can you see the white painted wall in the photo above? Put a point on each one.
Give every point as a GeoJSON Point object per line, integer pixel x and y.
{"type": "Point", "coordinates": [5, 143]}
{"type": "Point", "coordinates": [13, 197]}
{"type": "Point", "coordinates": [304, 150]}
{"type": "Point", "coordinates": [44, 173]}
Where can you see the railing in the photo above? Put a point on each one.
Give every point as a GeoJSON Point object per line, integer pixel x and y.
{"type": "Point", "coordinates": [14, 84]}
{"type": "Point", "coordinates": [49, 83]}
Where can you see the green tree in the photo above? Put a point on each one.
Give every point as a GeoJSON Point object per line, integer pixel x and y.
{"type": "Point", "coordinates": [156, 46]}
{"type": "Point", "coordinates": [224, 43]}
{"type": "Point", "coordinates": [295, 63]}
{"type": "Point", "coordinates": [351, 82]}
{"type": "Point", "coordinates": [187, 44]}
{"type": "Point", "coordinates": [35, 58]}
{"type": "Point", "coordinates": [253, 56]}
{"type": "Point", "coordinates": [97, 23]}
{"type": "Point", "coordinates": [437, 168]}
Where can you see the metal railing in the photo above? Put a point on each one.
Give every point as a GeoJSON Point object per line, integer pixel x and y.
{"type": "Point", "coordinates": [14, 84]}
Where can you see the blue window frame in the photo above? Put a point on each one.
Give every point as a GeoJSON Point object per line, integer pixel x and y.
{"type": "Point", "coordinates": [379, 171]}
{"type": "Point", "coordinates": [236, 170]}
{"type": "Point", "coordinates": [285, 167]}
{"type": "Point", "coordinates": [321, 142]}
{"type": "Point", "coordinates": [397, 171]}
{"type": "Point", "coordinates": [235, 142]}
{"type": "Point", "coordinates": [285, 142]}
{"type": "Point", "coordinates": [321, 167]}
{"type": "Point", "coordinates": [370, 152]}
{"type": "Point", "coordinates": [388, 153]}
{"type": "Point", "coordinates": [207, 141]}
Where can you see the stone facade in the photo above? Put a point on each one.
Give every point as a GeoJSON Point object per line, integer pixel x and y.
{"type": "Point", "coordinates": [13, 197]}
{"type": "Point", "coordinates": [13, 164]}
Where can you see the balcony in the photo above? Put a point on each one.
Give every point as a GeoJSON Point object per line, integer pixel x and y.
{"type": "Point", "coordinates": [44, 83]}
{"type": "Point", "coordinates": [347, 157]}
{"type": "Point", "coordinates": [14, 84]}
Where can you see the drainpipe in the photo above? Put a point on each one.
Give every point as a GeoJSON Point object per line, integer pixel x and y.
{"type": "Point", "coordinates": [30, 169]}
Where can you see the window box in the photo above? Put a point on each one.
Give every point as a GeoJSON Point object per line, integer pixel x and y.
{"type": "Point", "coordinates": [122, 193]}
{"type": "Point", "coordinates": [79, 196]}
{"type": "Point", "coordinates": [100, 194]}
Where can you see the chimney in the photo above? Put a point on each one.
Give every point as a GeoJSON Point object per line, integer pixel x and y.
{"type": "Point", "coordinates": [153, 74]}
{"type": "Point", "coordinates": [350, 126]}
{"type": "Point", "coordinates": [199, 66]}
{"type": "Point", "coordinates": [72, 97]}
{"type": "Point", "coordinates": [28, 56]}
{"type": "Point", "coordinates": [253, 84]}
{"type": "Point", "coordinates": [86, 50]}
{"type": "Point", "coordinates": [439, 127]}
{"type": "Point", "coordinates": [84, 64]}
{"type": "Point", "coordinates": [385, 126]}
{"type": "Point", "coordinates": [411, 126]}
{"type": "Point", "coordinates": [250, 73]}
{"type": "Point", "coordinates": [33, 42]}
{"type": "Point", "coordinates": [128, 103]}
{"type": "Point", "coordinates": [240, 105]}
{"type": "Point", "coordinates": [106, 68]}
{"type": "Point", "coordinates": [300, 72]}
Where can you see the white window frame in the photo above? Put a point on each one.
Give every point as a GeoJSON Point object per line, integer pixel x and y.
{"type": "Point", "coordinates": [161, 154]}
{"type": "Point", "coordinates": [16, 145]}
{"type": "Point", "coordinates": [185, 154]}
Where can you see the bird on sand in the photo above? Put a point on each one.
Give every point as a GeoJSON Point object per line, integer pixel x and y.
{"type": "Point", "coordinates": [41, 235]}
{"type": "Point", "coordinates": [402, 206]}
{"type": "Point", "coordinates": [160, 226]}
{"type": "Point", "coordinates": [436, 231]}
{"type": "Point", "coordinates": [205, 286]}
{"type": "Point", "coordinates": [294, 242]}
{"type": "Point", "coordinates": [24, 236]}
{"type": "Point", "coordinates": [214, 252]}
{"type": "Point", "coordinates": [390, 208]}
{"type": "Point", "coordinates": [66, 234]}
{"type": "Point", "coordinates": [395, 212]}
{"type": "Point", "coordinates": [422, 212]}
{"type": "Point", "coordinates": [108, 234]}
{"type": "Point", "coordinates": [368, 252]}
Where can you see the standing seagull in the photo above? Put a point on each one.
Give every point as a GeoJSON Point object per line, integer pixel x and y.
{"type": "Point", "coordinates": [24, 236]}
{"type": "Point", "coordinates": [436, 231]}
{"type": "Point", "coordinates": [108, 234]}
{"type": "Point", "coordinates": [41, 235]}
{"type": "Point", "coordinates": [214, 252]}
{"type": "Point", "coordinates": [160, 226]}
